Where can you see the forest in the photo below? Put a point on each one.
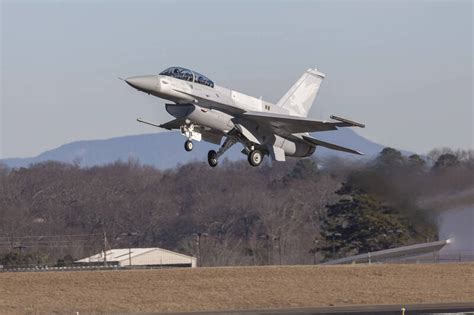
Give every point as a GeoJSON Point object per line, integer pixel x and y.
{"type": "Point", "coordinates": [300, 212]}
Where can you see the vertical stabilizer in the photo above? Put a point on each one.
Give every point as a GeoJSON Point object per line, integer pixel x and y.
{"type": "Point", "coordinates": [301, 95]}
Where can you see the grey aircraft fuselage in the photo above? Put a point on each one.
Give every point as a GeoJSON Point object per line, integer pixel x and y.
{"type": "Point", "coordinates": [205, 111]}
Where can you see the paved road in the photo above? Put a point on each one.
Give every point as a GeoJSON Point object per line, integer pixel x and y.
{"type": "Point", "coordinates": [446, 308]}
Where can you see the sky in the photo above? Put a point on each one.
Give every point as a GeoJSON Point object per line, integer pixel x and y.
{"type": "Point", "coordinates": [404, 68]}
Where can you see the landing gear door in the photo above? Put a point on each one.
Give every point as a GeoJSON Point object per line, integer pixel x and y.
{"type": "Point", "coordinates": [191, 133]}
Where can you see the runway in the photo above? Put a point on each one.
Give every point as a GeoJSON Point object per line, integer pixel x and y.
{"type": "Point", "coordinates": [444, 308]}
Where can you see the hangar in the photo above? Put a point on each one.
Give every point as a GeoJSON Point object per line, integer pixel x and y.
{"type": "Point", "coordinates": [145, 257]}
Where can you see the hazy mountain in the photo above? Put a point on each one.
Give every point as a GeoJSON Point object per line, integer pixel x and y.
{"type": "Point", "coordinates": [165, 149]}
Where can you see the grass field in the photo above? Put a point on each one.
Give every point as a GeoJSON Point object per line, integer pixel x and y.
{"type": "Point", "coordinates": [201, 289]}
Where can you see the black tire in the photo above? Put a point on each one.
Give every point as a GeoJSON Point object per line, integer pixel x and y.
{"type": "Point", "coordinates": [255, 157]}
{"type": "Point", "coordinates": [212, 158]}
{"type": "Point", "coordinates": [188, 145]}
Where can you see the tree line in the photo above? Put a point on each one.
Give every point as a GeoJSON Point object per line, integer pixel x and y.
{"type": "Point", "coordinates": [298, 212]}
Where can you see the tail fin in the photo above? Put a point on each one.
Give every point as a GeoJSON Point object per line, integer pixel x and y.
{"type": "Point", "coordinates": [301, 95]}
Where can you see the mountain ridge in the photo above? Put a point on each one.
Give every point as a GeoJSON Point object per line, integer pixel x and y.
{"type": "Point", "coordinates": [165, 150]}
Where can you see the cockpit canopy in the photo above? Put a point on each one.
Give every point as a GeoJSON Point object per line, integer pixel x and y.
{"type": "Point", "coordinates": [187, 75]}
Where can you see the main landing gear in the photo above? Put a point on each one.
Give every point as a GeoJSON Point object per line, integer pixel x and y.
{"type": "Point", "coordinates": [213, 156]}
{"type": "Point", "coordinates": [255, 157]}
{"type": "Point", "coordinates": [188, 145]}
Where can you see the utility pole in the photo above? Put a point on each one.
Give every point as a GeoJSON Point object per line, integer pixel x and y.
{"type": "Point", "coordinates": [198, 243]}
{"type": "Point", "coordinates": [333, 237]}
{"type": "Point", "coordinates": [316, 248]}
{"type": "Point", "coordinates": [128, 235]}
{"type": "Point", "coordinates": [278, 238]}
{"type": "Point", "coordinates": [333, 246]}
{"type": "Point", "coordinates": [105, 248]}
{"type": "Point", "coordinates": [267, 245]}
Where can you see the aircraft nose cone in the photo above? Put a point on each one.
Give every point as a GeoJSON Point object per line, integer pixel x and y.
{"type": "Point", "coordinates": [144, 83]}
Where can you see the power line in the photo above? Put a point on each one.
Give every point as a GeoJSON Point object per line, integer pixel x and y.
{"type": "Point", "coordinates": [44, 242]}
{"type": "Point", "coordinates": [46, 236]}
{"type": "Point", "coordinates": [52, 246]}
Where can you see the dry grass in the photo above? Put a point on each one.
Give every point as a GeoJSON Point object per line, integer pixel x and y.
{"type": "Point", "coordinates": [232, 288]}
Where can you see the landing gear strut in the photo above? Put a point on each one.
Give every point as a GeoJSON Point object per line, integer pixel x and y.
{"type": "Point", "coordinates": [188, 145]}
{"type": "Point", "coordinates": [255, 157]}
{"type": "Point", "coordinates": [213, 156]}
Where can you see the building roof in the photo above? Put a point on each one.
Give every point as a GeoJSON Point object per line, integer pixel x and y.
{"type": "Point", "coordinates": [142, 256]}
{"type": "Point", "coordinates": [399, 252]}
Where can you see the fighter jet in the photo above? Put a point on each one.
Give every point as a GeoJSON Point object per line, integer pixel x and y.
{"type": "Point", "coordinates": [205, 111]}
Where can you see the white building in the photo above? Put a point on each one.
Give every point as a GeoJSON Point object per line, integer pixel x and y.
{"type": "Point", "coordinates": [141, 257]}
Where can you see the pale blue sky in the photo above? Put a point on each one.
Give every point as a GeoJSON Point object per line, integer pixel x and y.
{"type": "Point", "coordinates": [404, 68]}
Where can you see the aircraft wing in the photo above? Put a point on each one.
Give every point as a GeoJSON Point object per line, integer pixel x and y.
{"type": "Point", "coordinates": [170, 125]}
{"type": "Point", "coordinates": [287, 124]}
{"type": "Point", "coordinates": [208, 135]}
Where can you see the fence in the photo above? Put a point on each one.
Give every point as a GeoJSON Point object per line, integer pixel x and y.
{"type": "Point", "coordinates": [85, 268]}
{"type": "Point", "coordinates": [451, 256]}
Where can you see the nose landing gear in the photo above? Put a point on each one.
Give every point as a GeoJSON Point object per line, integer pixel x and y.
{"type": "Point", "coordinates": [188, 145]}
{"type": "Point", "coordinates": [189, 131]}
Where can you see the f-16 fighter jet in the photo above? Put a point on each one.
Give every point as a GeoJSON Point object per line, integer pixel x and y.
{"type": "Point", "coordinates": [206, 111]}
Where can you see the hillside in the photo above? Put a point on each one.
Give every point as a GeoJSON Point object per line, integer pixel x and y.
{"type": "Point", "coordinates": [165, 150]}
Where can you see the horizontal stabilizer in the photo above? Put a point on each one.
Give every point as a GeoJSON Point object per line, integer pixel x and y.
{"type": "Point", "coordinates": [347, 122]}
{"type": "Point", "coordinates": [287, 124]}
{"type": "Point", "coordinates": [170, 125]}
{"type": "Point", "coordinates": [330, 145]}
